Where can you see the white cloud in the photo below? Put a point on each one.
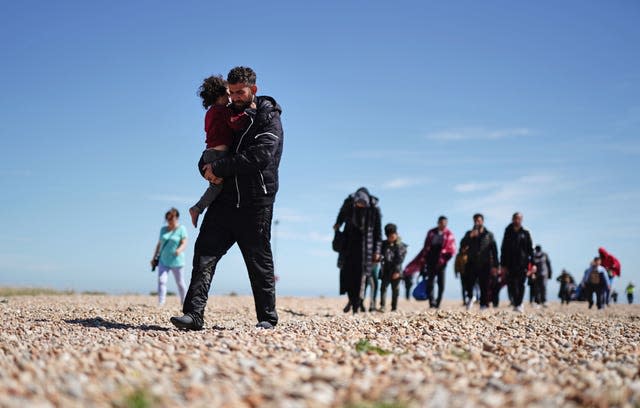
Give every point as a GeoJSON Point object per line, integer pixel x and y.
{"type": "Point", "coordinates": [473, 187]}
{"type": "Point", "coordinates": [451, 135]}
{"type": "Point", "coordinates": [402, 182]}
{"type": "Point", "coordinates": [290, 215]}
{"type": "Point", "coordinates": [502, 199]}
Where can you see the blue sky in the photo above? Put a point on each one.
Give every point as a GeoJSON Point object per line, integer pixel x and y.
{"type": "Point", "coordinates": [439, 108]}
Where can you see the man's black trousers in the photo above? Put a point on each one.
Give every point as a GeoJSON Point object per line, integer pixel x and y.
{"type": "Point", "coordinates": [434, 273]}
{"type": "Point", "coordinates": [516, 280]}
{"type": "Point", "coordinates": [480, 274]}
{"type": "Point", "coordinates": [590, 289]}
{"type": "Point", "coordinates": [541, 290]}
{"type": "Point", "coordinates": [395, 292]}
{"type": "Point", "coordinates": [224, 225]}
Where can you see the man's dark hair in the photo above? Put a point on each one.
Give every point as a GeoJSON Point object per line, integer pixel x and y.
{"type": "Point", "coordinates": [390, 229]}
{"type": "Point", "coordinates": [211, 89]}
{"type": "Point", "coordinates": [515, 214]}
{"type": "Point", "coordinates": [442, 218]}
{"type": "Point", "coordinates": [241, 75]}
{"type": "Point", "coordinates": [478, 215]}
{"type": "Point", "coordinates": [597, 258]}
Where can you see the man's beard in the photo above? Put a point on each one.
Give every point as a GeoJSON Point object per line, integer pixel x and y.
{"type": "Point", "coordinates": [240, 106]}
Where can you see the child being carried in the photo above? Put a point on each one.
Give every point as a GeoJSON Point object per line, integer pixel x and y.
{"type": "Point", "coordinates": [215, 98]}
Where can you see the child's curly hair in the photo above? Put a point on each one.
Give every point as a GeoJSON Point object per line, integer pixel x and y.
{"type": "Point", "coordinates": [211, 89]}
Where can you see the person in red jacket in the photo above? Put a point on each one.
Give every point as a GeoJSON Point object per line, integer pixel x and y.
{"type": "Point", "coordinates": [612, 265]}
{"type": "Point", "coordinates": [609, 262]}
{"type": "Point", "coordinates": [439, 247]}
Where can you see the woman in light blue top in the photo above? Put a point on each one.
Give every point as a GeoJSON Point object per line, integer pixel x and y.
{"type": "Point", "coordinates": [170, 255]}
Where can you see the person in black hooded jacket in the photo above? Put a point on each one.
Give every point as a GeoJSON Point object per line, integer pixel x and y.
{"type": "Point", "coordinates": [362, 234]}
{"type": "Point", "coordinates": [516, 255]}
{"type": "Point", "coordinates": [243, 211]}
{"type": "Point", "coordinates": [482, 261]}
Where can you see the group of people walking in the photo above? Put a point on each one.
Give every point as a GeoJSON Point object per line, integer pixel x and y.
{"type": "Point", "coordinates": [364, 257]}
{"type": "Point", "coordinates": [361, 247]}
{"type": "Point", "coordinates": [597, 281]}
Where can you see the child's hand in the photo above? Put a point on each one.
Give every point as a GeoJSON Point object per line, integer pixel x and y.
{"type": "Point", "coordinates": [208, 174]}
{"type": "Point", "coordinates": [206, 169]}
{"type": "Point", "coordinates": [195, 214]}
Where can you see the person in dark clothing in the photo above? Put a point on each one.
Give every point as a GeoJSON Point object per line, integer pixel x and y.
{"type": "Point", "coordinates": [393, 253]}
{"type": "Point", "coordinates": [595, 280]}
{"type": "Point", "coordinates": [482, 260]}
{"type": "Point", "coordinates": [531, 282]}
{"type": "Point", "coordinates": [516, 255]}
{"type": "Point", "coordinates": [408, 283]}
{"type": "Point", "coordinates": [243, 211]}
{"type": "Point", "coordinates": [630, 289]}
{"type": "Point", "coordinates": [362, 237]}
{"type": "Point", "coordinates": [431, 262]}
{"type": "Point", "coordinates": [567, 285]}
{"type": "Point", "coordinates": [543, 273]}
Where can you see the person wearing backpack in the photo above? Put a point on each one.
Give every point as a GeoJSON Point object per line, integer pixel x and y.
{"type": "Point", "coordinates": [596, 281]}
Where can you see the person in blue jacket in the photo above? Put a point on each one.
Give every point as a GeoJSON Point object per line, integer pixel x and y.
{"type": "Point", "coordinates": [595, 280]}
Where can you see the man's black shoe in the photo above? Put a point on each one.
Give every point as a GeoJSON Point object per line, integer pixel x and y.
{"type": "Point", "coordinates": [264, 325]}
{"type": "Point", "coordinates": [185, 322]}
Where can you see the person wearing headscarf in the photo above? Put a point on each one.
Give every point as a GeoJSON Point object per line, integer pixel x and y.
{"type": "Point", "coordinates": [360, 244]}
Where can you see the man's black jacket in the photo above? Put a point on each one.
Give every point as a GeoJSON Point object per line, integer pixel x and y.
{"type": "Point", "coordinates": [482, 250]}
{"type": "Point", "coordinates": [517, 249]}
{"type": "Point", "coordinates": [250, 172]}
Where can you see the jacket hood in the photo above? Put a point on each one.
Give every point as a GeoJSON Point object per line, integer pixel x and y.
{"type": "Point", "coordinates": [363, 194]}
{"type": "Point", "coordinates": [266, 106]}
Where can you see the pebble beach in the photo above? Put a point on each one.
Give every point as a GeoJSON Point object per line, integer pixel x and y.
{"type": "Point", "coordinates": [121, 351]}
